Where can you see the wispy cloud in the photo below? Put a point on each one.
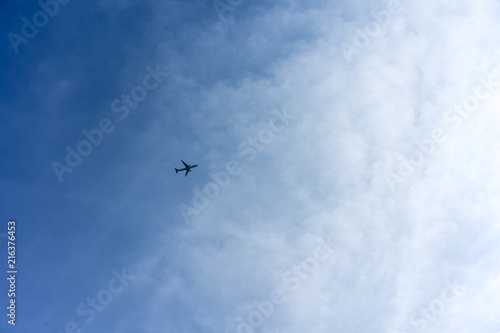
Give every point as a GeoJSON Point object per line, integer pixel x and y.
{"type": "Point", "coordinates": [321, 172]}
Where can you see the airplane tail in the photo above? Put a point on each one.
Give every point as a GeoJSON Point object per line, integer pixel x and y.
{"type": "Point", "coordinates": [176, 170]}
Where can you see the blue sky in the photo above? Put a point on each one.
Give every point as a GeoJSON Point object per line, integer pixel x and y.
{"type": "Point", "coordinates": [348, 158]}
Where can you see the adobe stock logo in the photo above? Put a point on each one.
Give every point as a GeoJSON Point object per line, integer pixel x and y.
{"type": "Point", "coordinates": [94, 305]}
{"type": "Point", "coordinates": [488, 86]}
{"type": "Point", "coordinates": [247, 152]}
{"type": "Point", "coordinates": [38, 21]}
{"type": "Point", "coordinates": [371, 30]}
{"type": "Point", "coordinates": [291, 282]}
{"type": "Point", "coordinates": [122, 107]}
{"type": "Point", "coordinates": [437, 307]}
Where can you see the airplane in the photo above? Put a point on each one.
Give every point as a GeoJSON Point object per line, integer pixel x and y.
{"type": "Point", "coordinates": [187, 168]}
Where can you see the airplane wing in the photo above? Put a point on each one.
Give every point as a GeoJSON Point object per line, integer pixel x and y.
{"type": "Point", "coordinates": [184, 164]}
{"type": "Point", "coordinates": [187, 171]}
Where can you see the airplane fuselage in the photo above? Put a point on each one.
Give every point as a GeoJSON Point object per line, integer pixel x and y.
{"type": "Point", "coordinates": [189, 167]}
{"type": "Point", "coordinates": [186, 168]}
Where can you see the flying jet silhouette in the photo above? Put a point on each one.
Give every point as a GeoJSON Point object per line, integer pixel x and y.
{"type": "Point", "coordinates": [186, 168]}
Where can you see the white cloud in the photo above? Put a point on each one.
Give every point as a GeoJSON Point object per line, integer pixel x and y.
{"type": "Point", "coordinates": [325, 176]}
